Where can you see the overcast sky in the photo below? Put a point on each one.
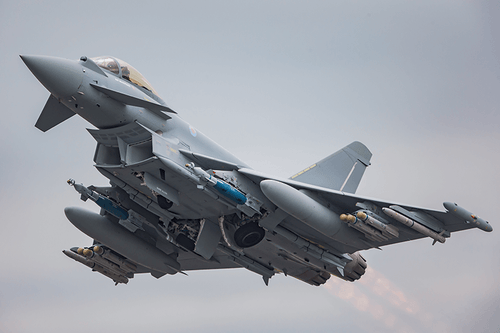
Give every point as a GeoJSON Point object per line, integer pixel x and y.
{"type": "Point", "coordinates": [281, 84]}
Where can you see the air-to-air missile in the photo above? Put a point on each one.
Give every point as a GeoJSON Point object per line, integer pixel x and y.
{"type": "Point", "coordinates": [414, 225]}
{"type": "Point", "coordinates": [119, 271]}
{"type": "Point", "coordinates": [388, 230]}
{"type": "Point", "coordinates": [372, 227]}
{"type": "Point", "coordinates": [358, 224]}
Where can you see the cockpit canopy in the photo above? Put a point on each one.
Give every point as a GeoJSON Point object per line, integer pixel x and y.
{"type": "Point", "coordinates": [124, 70]}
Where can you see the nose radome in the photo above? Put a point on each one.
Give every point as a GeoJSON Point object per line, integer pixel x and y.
{"type": "Point", "coordinates": [61, 77]}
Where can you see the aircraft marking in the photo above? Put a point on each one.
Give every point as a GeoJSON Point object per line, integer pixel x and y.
{"type": "Point", "coordinates": [305, 170]}
{"type": "Point", "coordinates": [193, 131]}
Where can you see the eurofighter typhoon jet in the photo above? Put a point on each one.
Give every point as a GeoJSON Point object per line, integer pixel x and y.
{"type": "Point", "coordinates": [178, 202]}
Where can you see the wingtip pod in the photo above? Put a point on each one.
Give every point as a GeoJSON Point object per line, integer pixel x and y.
{"type": "Point", "coordinates": [469, 217]}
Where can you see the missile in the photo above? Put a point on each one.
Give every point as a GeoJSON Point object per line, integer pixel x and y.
{"type": "Point", "coordinates": [100, 200]}
{"type": "Point", "coordinates": [388, 230]}
{"type": "Point", "coordinates": [121, 240]}
{"type": "Point", "coordinates": [101, 256]}
{"type": "Point", "coordinates": [311, 249]}
{"type": "Point", "coordinates": [96, 267]}
{"type": "Point", "coordinates": [462, 213]}
{"type": "Point", "coordinates": [92, 256]}
{"type": "Point", "coordinates": [358, 224]}
{"type": "Point", "coordinates": [414, 225]}
{"type": "Point", "coordinates": [302, 207]}
{"type": "Point", "coordinates": [123, 264]}
{"type": "Point", "coordinates": [79, 258]}
{"type": "Point", "coordinates": [222, 187]}
{"type": "Point", "coordinates": [108, 254]}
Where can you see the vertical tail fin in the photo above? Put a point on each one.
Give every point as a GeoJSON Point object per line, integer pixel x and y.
{"type": "Point", "coordinates": [340, 171]}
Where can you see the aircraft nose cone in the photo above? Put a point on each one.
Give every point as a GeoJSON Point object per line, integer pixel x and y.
{"type": "Point", "coordinates": [61, 77]}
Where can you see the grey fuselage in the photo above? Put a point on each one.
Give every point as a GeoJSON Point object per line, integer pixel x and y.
{"type": "Point", "coordinates": [187, 203]}
{"type": "Point", "coordinates": [71, 83]}
{"type": "Point", "coordinates": [104, 112]}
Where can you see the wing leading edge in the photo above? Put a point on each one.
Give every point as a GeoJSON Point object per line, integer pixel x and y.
{"type": "Point", "coordinates": [370, 217]}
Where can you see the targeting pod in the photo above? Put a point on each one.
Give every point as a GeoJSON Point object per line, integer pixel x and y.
{"type": "Point", "coordinates": [462, 213]}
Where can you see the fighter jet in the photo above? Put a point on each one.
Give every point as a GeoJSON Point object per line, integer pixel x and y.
{"type": "Point", "coordinates": [177, 201]}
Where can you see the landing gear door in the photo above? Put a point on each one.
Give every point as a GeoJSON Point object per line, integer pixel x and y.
{"type": "Point", "coordinates": [208, 239]}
